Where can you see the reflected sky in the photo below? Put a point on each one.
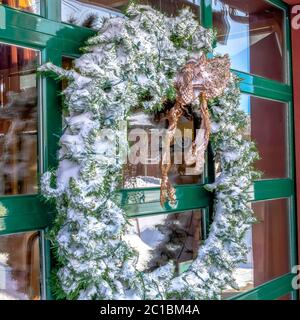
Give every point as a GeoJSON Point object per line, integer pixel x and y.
{"type": "Point", "coordinates": [245, 104]}
{"type": "Point", "coordinates": [237, 41]}
{"type": "Point", "coordinates": [79, 10]}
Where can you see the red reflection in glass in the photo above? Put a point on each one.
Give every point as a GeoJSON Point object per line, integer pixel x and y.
{"type": "Point", "coordinates": [18, 120]}
{"type": "Point", "coordinates": [270, 240]}
{"type": "Point", "coordinates": [24, 5]}
{"type": "Point", "coordinates": [253, 33]}
{"type": "Point", "coordinates": [269, 131]}
{"type": "Point", "coordinates": [20, 267]}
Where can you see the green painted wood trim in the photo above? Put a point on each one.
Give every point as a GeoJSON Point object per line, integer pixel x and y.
{"type": "Point", "coordinates": [206, 13]}
{"type": "Point", "coordinates": [34, 31]}
{"type": "Point", "coordinates": [273, 189]}
{"type": "Point", "coordinates": [264, 88]}
{"type": "Point", "coordinates": [51, 117]}
{"type": "Point", "coordinates": [146, 202]}
{"type": "Point", "coordinates": [2, 18]}
{"type": "Point", "coordinates": [22, 223]}
{"type": "Point", "coordinates": [52, 9]}
{"type": "Point", "coordinates": [279, 3]}
{"type": "Point", "coordinates": [37, 40]}
{"type": "Point", "coordinates": [22, 204]}
{"type": "Point", "coordinates": [294, 258]}
{"type": "Point", "coordinates": [24, 213]}
{"type": "Point", "coordinates": [270, 290]}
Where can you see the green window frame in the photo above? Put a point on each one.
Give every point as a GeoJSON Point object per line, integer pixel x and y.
{"type": "Point", "coordinates": [55, 40]}
{"type": "Point", "coordinates": [271, 189]}
{"type": "Point", "coordinates": [52, 39]}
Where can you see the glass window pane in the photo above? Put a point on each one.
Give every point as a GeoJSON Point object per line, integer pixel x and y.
{"type": "Point", "coordinates": [32, 6]}
{"type": "Point", "coordinates": [253, 33]}
{"type": "Point", "coordinates": [171, 7]}
{"type": "Point", "coordinates": [87, 13]}
{"type": "Point", "coordinates": [163, 238]}
{"type": "Point", "coordinates": [269, 243]}
{"type": "Point", "coordinates": [146, 135]}
{"type": "Point", "coordinates": [285, 297]}
{"type": "Point", "coordinates": [20, 267]}
{"type": "Point", "coordinates": [268, 129]}
{"type": "Point", "coordinates": [79, 12]}
{"type": "Point", "coordinates": [18, 120]}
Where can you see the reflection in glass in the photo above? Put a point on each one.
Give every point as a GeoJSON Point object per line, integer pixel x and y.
{"type": "Point", "coordinates": [18, 120]}
{"type": "Point", "coordinates": [20, 267]}
{"type": "Point", "coordinates": [171, 7]}
{"type": "Point", "coordinates": [87, 12]}
{"type": "Point", "coordinates": [267, 127]}
{"type": "Point", "coordinates": [269, 243]}
{"type": "Point", "coordinates": [253, 33]}
{"type": "Point", "coordinates": [163, 238]}
{"type": "Point", "coordinates": [285, 297]}
{"type": "Point", "coordinates": [24, 5]}
{"type": "Point", "coordinates": [143, 169]}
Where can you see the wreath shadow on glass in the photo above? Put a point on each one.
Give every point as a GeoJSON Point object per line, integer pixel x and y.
{"type": "Point", "coordinates": [144, 60]}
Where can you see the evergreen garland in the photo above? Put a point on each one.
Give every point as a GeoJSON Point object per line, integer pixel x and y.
{"type": "Point", "coordinates": [132, 62]}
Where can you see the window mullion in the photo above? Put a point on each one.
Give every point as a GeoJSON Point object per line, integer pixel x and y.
{"type": "Point", "coordinates": [206, 13]}
{"type": "Point", "coordinates": [51, 9]}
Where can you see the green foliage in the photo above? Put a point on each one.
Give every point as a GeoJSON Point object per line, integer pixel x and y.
{"type": "Point", "coordinates": [130, 64]}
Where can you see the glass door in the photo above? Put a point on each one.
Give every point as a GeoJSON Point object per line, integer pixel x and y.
{"type": "Point", "coordinates": [20, 262]}
{"type": "Point", "coordinates": [30, 126]}
{"type": "Point", "coordinates": [18, 120]}
{"type": "Point", "coordinates": [256, 35]}
{"type": "Point", "coordinates": [25, 149]}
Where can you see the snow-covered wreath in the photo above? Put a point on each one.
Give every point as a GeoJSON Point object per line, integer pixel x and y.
{"type": "Point", "coordinates": [131, 62]}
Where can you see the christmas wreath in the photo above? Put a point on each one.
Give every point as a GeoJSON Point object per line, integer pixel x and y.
{"type": "Point", "coordinates": [145, 59]}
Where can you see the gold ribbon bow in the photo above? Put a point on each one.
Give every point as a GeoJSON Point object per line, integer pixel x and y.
{"type": "Point", "coordinates": [201, 80]}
